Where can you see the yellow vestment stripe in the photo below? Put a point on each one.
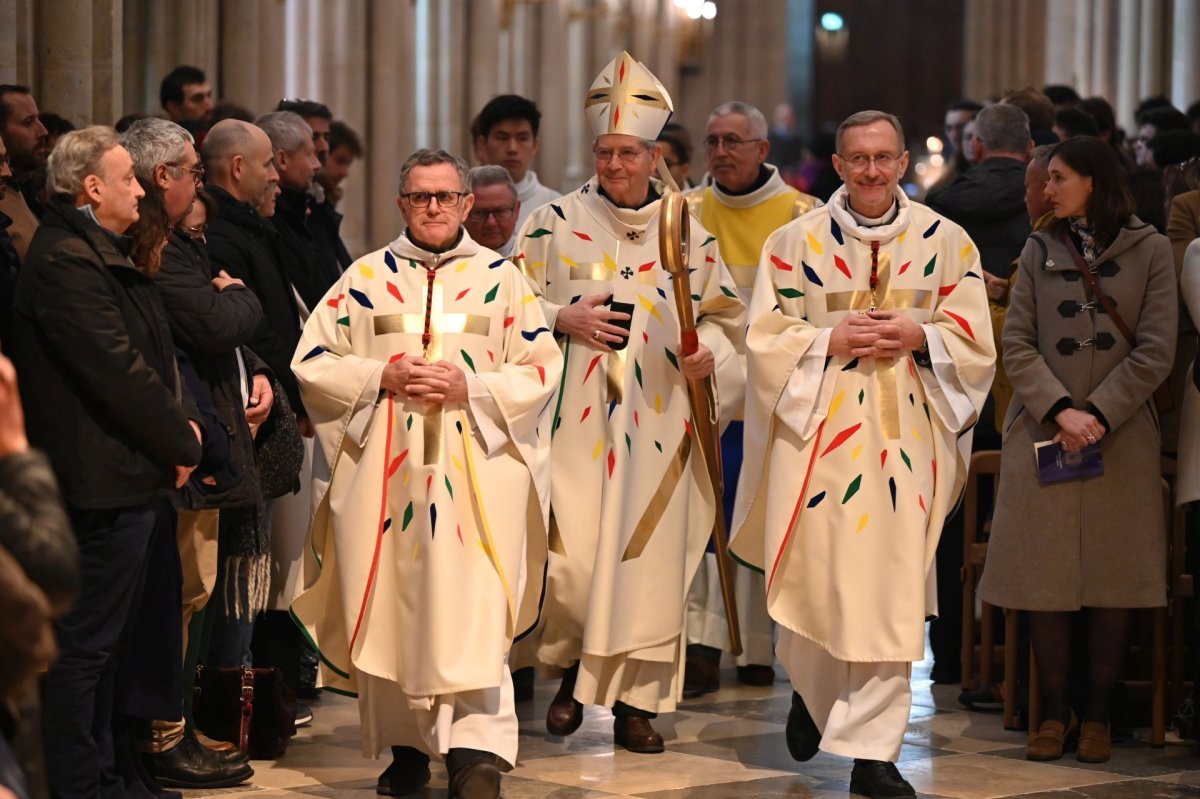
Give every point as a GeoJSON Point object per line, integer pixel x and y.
{"type": "Point", "coordinates": [658, 503]}
{"type": "Point", "coordinates": [484, 527]}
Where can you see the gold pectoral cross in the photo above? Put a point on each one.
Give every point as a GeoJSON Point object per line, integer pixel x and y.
{"type": "Point", "coordinates": [882, 297]}
{"type": "Point", "coordinates": [437, 322]}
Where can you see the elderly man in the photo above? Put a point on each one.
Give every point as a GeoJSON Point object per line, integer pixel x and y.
{"type": "Point", "coordinates": [493, 218]}
{"type": "Point", "coordinates": [746, 202]}
{"type": "Point", "coordinates": [869, 354]}
{"type": "Point", "coordinates": [506, 134]}
{"type": "Point", "coordinates": [632, 508]}
{"type": "Point", "coordinates": [25, 136]}
{"type": "Point", "coordinates": [428, 371]}
{"type": "Point", "coordinates": [187, 97]}
{"type": "Point", "coordinates": [99, 380]}
{"type": "Point", "coordinates": [319, 119]}
{"type": "Point", "coordinates": [209, 319]}
{"type": "Point", "coordinates": [297, 164]}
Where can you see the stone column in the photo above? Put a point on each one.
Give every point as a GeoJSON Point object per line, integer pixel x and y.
{"type": "Point", "coordinates": [1082, 68]}
{"type": "Point", "coordinates": [1150, 50]}
{"type": "Point", "coordinates": [554, 97]}
{"type": "Point", "coordinates": [391, 77]}
{"type": "Point", "coordinates": [1060, 42]}
{"type": "Point", "coordinates": [1128, 53]}
{"type": "Point", "coordinates": [1104, 54]}
{"type": "Point", "coordinates": [1185, 53]}
{"type": "Point", "coordinates": [78, 65]}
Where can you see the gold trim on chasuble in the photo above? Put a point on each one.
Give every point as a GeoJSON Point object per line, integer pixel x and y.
{"type": "Point", "coordinates": [884, 299]}
{"type": "Point", "coordinates": [440, 322]}
{"type": "Point", "coordinates": [658, 503]}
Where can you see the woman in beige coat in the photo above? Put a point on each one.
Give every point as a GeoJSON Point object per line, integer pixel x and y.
{"type": "Point", "coordinates": [1098, 544]}
{"type": "Point", "coordinates": [1188, 483]}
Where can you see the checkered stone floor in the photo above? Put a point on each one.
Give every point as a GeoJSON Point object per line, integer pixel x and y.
{"type": "Point", "coordinates": [730, 744]}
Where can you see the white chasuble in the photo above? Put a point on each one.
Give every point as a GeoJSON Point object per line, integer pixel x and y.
{"type": "Point", "coordinates": [431, 534]}
{"type": "Point", "coordinates": [631, 505]}
{"type": "Point", "coordinates": [851, 465]}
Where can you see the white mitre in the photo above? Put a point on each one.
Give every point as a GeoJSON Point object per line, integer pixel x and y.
{"type": "Point", "coordinates": [627, 98]}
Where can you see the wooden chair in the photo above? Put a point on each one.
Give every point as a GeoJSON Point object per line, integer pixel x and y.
{"type": "Point", "coordinates": [983, 463]}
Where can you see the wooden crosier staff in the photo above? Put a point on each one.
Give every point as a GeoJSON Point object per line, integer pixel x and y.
{"type": "Point", "coordinates": [674, 232]}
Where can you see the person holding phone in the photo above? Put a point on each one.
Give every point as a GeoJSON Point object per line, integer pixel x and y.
{"type": "Point", "coordinates": [631, 508]}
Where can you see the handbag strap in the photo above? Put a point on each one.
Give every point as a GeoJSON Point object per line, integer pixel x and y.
{"type": "Point", "coordinates": [1090, 278]}
{"type": "Point", "coordinates": [247, 707]}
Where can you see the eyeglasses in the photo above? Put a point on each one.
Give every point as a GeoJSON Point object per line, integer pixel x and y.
{"type": "Point", "coordinates": [445, 199]}
{"type": "Point", "coordinates": [860, 161]}
{"type": "Point", "coordinates": [195, 232]}
{"type": "Point", "coordinates": [731, 144]}
{"type": "Point", "coordinates": [627, 155]}
{"type": "Point", "coordinates": [197, 172]}
{"type": "Point", "coordinates": [480, 216]}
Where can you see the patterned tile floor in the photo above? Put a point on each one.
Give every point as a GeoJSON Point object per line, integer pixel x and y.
{"type": "Point", "coordinates": [730, 744]}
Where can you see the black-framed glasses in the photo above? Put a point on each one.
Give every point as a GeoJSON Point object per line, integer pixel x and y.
{"type": "Point", "coordinates": [480, 215]}
{"type": "Point", "coordinates": [421, 199]}
{"type": "Point", "coordinates": [730, 143]}
{"type": "Point", "coordinates": [197, 172]}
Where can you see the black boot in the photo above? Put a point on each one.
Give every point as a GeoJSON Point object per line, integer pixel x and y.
{"type": "Point", "coordinates": [803, 737]}
{"type": "Point", "coordinates": [473, 774]}
{"type": "Point", "coordinates": [408, 773]}
{"type": "Point", "coordinates": [878, 779]}
{"type": "Point", "coordinates": [190, 765]}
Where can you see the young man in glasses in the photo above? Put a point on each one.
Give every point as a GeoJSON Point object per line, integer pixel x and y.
{"type": "Point", "coordinates": [632, 507]}
{"type": "Point", "coordinates": [428, 372]}
{"type": "Point", "coordinates": [746, 201]}
{"type": "Point", "coordinates": [493, 219]}
{"type": "Point", "coordinates": [870, 352]}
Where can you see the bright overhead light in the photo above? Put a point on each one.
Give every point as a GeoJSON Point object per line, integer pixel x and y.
{"type": "Point", "coordinates": [681, 3]}
{"type": "Point", "coordinates": [832, 22]}
{"type": "Point", "coordinates": [934, 145]}
{"type": "Point", "coordinates": [709, 10]}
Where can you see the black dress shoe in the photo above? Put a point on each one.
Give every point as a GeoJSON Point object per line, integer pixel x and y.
{"type": "Point", "coordinates": [756, 675]}
{"type": "Point", "coordinates": [635, 734]}
{"type": "Point", "coordinates": [227, 753]}
{"type": "Point", "coordinates": [408, 773]}
{"type": "Point", "coordinates": [473, 774]}
{"type": "Point", "coordinates": [564, 715]}
{"type": "Point", "coordinates": [523, 684]}
{"type": "Point", "coordinates": [190, 765]}
{"type": "Point", "coordinates": [700, 676]}
{"type": "Point", "coordinates": [878, 779]}
{"type": "Point", "coordinates": [803, 737]}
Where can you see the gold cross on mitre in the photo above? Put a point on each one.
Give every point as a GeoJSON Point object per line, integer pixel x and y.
{"type": "Point", "coordinates": [440, 322]}
{"type": "Point", "coordinates": [627, 98]}
{"type": "Point", "coordinates": [880, 298]}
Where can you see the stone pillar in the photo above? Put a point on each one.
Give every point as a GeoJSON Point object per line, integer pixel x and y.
{"type": "Point", "coordinates": [1031, 42]}
{"type": "Point", "coordinates": [554, 97]}
{"type": "Point", "coordinates": [391, 76]}
{"type": "Point", "coordinates": [252, 54]}
{"type": "Point", "coordinates": [1185, 53]}
{"type": "Point", "coordinates": [78, 65]}
{"type": "Point", "coordinates": [1150, 49]}
{"type": "Point", "coordinates": [1104, 54]}
{"type": "Point", "coordinates": [1082, 68]}
{"type": "Point", "coordinates": [1128, 57]}
{"type": "Point", "coordinates": [484, 20]}
{"type": "Point", "coordinates": [1060, 43]}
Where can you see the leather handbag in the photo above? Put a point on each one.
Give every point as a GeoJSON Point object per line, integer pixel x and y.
{"type": "Point", "coordinates": [1163, 399]}
{"type": "Point", "coordinates": [253, 709]}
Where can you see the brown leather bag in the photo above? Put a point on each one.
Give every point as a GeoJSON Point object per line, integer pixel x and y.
{"type": "Point", "coordinates": [253, 709]}
{"type": "Point", "coordinates": [1163, 399]}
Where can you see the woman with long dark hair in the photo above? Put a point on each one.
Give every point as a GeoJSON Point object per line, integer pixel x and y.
{"type": "Point", "coordinates": [1090, 336]}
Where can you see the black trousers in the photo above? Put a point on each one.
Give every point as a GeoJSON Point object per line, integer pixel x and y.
{"type": "Point", "coordinates": [79, 688]}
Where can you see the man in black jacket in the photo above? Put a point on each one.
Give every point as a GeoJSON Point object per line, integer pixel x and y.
{"type": "Point", "coordinates": [97, 366]}
{"type": "Point", "coordinates": [311, 271]}
{"type": "Point", "coordinates": [209, 319]}
{"type": "Point", "coordinates": [239, 165]}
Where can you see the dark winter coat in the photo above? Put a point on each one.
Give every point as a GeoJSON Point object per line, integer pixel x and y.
{"type": "Point", "coordinates": [989, 203]}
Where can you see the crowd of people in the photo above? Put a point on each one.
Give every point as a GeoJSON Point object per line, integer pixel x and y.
{"type": "Point", "coordinates": [420, 475]}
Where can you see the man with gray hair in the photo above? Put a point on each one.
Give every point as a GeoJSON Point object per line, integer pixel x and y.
{"type": "Point", "coordinates": [99, 379]}
{"type": "Point", "coordinates": [746, 201]}
{"type": "Point", "coordinates": [868, 359]}
{"type": "Point", "coordinates": [428, 371]}
{"type": "Point", "coordinates": [297, 163]}
{"type": "Point", "coordinates": [493, 217]}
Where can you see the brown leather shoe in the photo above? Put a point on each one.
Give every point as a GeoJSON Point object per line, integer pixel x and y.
{"type": "Point", "coordinates": [1051, 739]}
{"type": "Point", "coordinates": [564, 715]}
{"type": "Point", "coordinates": [635, 734]}
{"type": "Point", "coordinates": [700, 676]}
{"type": "Point", "coordinates": [479, 779]}
{"type": "Point", "coordinates": [1095, 743]}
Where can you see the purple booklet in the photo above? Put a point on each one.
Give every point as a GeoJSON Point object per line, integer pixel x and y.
{"type": "Point", "coordinates": [1056, 465]}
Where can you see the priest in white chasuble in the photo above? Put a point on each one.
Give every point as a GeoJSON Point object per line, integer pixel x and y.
{"type": "Point", "coordinates": [631, 507]}
{"type": "Point", "coordinates": [428, 371]}
{"type": "Point", "coordinates": [869, 355]}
